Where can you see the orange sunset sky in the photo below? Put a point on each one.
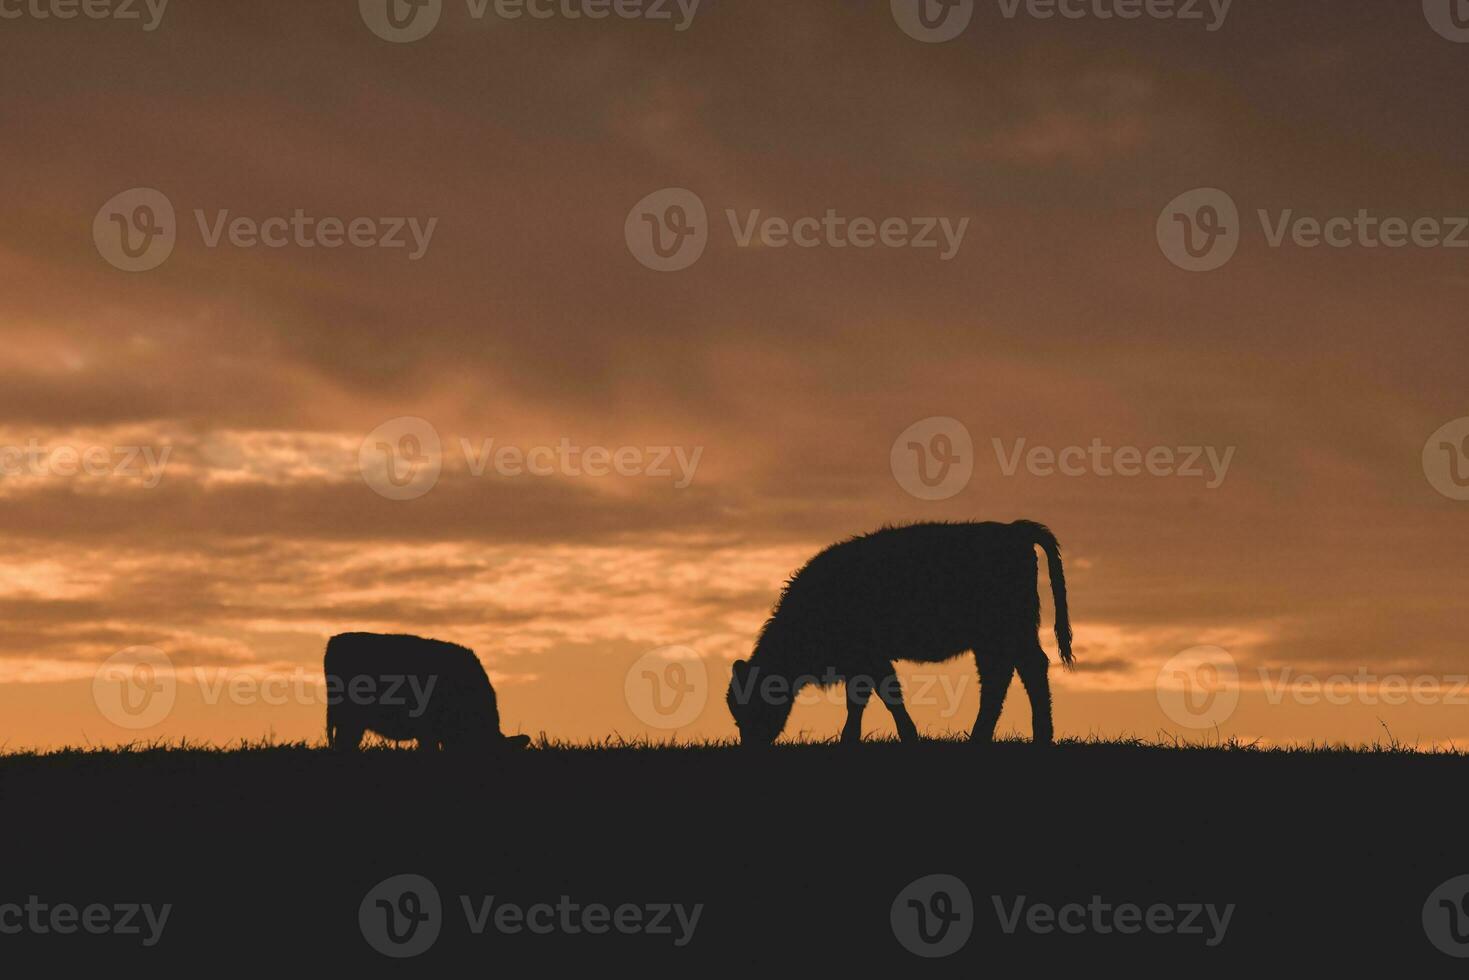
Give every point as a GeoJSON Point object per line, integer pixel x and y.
{"type": "Point", "coordinates": [252, 376]}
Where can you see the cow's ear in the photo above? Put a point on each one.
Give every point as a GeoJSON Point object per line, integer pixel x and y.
{"type": "Point", "coordinates": [741, 669]}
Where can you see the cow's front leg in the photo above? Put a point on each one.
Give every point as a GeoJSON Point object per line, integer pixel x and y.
{"type": "Point", "coordinates": [891, 692]}
{"type": "Point", "coordinates": [859, 689]}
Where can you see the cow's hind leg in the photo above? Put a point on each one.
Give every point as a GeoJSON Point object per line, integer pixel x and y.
{"type": "Point", "coordinates": [891, 692]}
{"type": "Point", "coordinates": [1033, 668]}
{"type": "Point", "coordinates": [342, 734]}
{"type": "Point", "coordinates": [859, 689]}
{"type": "Point", "coordinates": [994, 682]}
{"type": "Point", "coordinates": [345, 738]}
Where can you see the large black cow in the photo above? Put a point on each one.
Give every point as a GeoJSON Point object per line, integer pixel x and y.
{"type": "Point", "coordinates": [924, 592]}
{"type": "Point", "coordinates": [407, 687]}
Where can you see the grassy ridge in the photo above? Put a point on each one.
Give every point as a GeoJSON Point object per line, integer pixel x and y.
{"type": "Point", "coordinates": [1327, 852]}
{"type": "Point", "coordinates": [373, 746]}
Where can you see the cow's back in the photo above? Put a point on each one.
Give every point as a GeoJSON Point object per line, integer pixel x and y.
{"type": "Point", "coordinates": [925, 589]}
{"type": "Point", "coordinates": [379, 654]}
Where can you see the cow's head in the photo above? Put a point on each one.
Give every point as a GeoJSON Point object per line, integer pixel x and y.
{"type": "Point", "coordinates": [760, 704]}
{"type": "Point", "coordinates": [481, 739]}
{"type": "Point", "coordinates": [493, 741]}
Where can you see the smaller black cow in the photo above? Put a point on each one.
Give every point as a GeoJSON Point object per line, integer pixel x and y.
{"type": "Point", "coordinates": [407, 687]}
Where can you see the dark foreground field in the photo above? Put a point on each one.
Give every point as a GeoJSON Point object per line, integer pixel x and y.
{"type": "Point", "coordinates": [797, 856]}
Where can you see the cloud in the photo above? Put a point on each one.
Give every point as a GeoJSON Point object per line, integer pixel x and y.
{"type": "Point", "coordinates": [261, 371]}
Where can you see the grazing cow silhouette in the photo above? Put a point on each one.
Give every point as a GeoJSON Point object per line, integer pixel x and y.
{"type": "Point", "coordinates": [923, 592]}
{"type": "Point", "coordinates": [407, 687]}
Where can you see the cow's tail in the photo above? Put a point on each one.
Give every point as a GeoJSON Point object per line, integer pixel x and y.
{"type": "Point", "coordinates": [1041, 536]}
{"type": "Point", "coordinates": [331, 703]}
